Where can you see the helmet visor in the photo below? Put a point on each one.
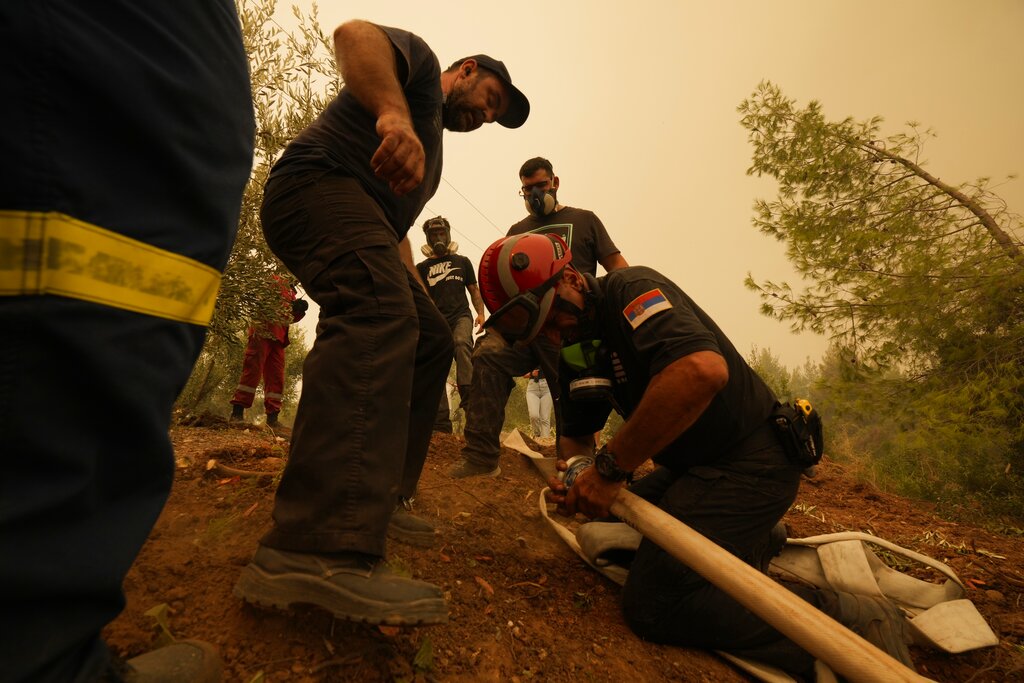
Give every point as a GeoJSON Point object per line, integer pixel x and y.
{"type": "Point", "coordinates": [516, 319]}
{"type": "Point", "coordinates": [522, 317]}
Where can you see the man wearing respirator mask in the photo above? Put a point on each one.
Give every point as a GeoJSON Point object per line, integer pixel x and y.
{"type": "Point", "coordinates": [495, 360]}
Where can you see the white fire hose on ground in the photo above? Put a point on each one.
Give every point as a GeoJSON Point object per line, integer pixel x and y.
{"type": "Point", "coordinates": [843, 650]}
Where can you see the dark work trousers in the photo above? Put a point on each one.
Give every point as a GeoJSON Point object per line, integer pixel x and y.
{"type": "Point", "coordinates": [495, 363]}
{"type": "Point", "coordinates": [734, 502]}
{"type": "Point", "coordinates": [462, 336]}
{"type": "Point", "coordinates": [86, 392]}
{"type": "Point", "coordinates": [136, 117]}
{"type": "Point", "coordinates": [443, 421]}
{"type": "Point", "coordinates": [372, 381]}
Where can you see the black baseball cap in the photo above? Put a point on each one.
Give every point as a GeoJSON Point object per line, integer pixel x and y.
{"type": "Point", "coordinates": [518, 106]}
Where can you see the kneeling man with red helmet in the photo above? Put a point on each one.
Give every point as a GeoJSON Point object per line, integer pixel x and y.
{"type": "Point", "coordinates": [634, 342]}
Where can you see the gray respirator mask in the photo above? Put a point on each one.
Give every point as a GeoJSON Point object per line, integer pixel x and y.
{"type": "Point", "coordinates": [540, 202]}
{"type": "Point", "coordinates": [439, 238]}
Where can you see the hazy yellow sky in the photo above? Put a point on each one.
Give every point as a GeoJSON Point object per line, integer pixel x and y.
{"type": "Point", "coordinates": [635, 105]}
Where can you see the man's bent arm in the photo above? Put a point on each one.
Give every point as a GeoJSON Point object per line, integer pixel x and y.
{"type": "Point", "coordinates": [675, 398]}
{"type": "Point", "coordinates": [478, 304]}
{"type": "Point", "coordinates": [366, 60]}
{"type": "Point", "coordinates": [613, 262]}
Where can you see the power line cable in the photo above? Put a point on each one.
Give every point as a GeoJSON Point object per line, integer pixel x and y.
{"type": "Point", "coordinates": [466, 199]}
{"type": "Point", "coordinates": [454, 229]}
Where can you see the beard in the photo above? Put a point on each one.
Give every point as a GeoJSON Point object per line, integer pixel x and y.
{"type": "Point", "coordinates": [456, 113]}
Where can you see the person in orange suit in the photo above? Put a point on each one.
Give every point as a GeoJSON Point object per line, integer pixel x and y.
{"type": "Point", "coordinates": [264, 358]}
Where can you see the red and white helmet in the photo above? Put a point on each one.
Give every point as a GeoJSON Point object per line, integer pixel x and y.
{"type": "Point", "coordinates": [517, 278]}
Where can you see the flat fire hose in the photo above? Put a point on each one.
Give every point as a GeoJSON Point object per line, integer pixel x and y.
{"type": "Point", "coordinates": [840, 648]}
{"type": "Point", "coordinates": [843, 650]}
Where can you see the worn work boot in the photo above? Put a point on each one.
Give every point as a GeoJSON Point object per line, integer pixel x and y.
{"type": "Point", "coordinates": [237, 413]}
{"type": "Point", "coordinates": [770, 548]}
{"type": "Point", "coordinates": [878, 621]}
{"type": "Point", "coordinates": [279, 428]}
{"type": "Point", "coordinates": [185, 661]}
{"type": "Point", "coordinates": [350, 586]}
{"type": "Point", "coordinates": [408, 528]}
{"type": "Point", "coordinates": [470, 469]}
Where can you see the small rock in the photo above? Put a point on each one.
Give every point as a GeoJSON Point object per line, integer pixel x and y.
{"type": "Point", "coordinates": [597, 649]}
{"type": "Point", "coordinates": [995, 596]}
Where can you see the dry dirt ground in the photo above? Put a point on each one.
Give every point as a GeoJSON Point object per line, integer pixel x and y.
{"type": "Point", "coordinates": [522, 606]}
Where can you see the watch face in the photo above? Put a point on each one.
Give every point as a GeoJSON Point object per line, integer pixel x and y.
{"type": "Point", "coordinates": [608, 468]}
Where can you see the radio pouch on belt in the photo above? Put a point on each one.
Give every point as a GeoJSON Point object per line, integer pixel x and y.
{"type": "Point", "coordinates": [800, 431]}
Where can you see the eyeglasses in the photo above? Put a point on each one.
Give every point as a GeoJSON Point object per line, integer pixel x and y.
{"type": "Point", "coordinates": [542, 185]}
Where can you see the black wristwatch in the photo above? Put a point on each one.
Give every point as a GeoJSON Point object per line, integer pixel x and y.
{"type": "Point", "coordinates": [604, 463]}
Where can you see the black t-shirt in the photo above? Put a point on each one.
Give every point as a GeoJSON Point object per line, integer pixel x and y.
{"type": "Point", "coordinates": [446, 278]}
{"type": "Point", "coordinates": [344, 137]}
{"type": "Point", "coordinates": [646, 323]}
{"type": "Point", "coordinates": [582, 231]}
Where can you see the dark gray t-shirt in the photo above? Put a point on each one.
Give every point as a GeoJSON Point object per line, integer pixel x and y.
{"type": "Point", "coordinates": [344, 137]}
{"type": "Point", "coordinates": [582, 231]}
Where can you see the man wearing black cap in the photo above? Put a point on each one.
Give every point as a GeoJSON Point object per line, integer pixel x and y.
{"type": "Point", "coordinates": [336, 210]}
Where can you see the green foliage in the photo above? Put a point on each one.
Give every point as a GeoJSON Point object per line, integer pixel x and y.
{"type": "Point", "coordinates": [900, 267]}
{"type": "Point", "coordinates": [517, 414]}
{"type": "Point", "coordinates": [920, 285]}
{"type": "Point", "coordinates": [210, 387]}
{"type": "Point", "coordinates": [772, 371]}
{"type": "Point", "coordinates": [213, 378]}
{"type": "Point", "coordinates": [293, 79]}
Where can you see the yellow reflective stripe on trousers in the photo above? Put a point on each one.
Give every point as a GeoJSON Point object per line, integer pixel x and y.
{"type": "Point", "coordinates": [53, 253]}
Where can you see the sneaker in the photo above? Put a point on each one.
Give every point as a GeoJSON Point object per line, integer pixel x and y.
{"type": "Point", "coordinates": [350, 586]}
{"type": "Point", "coordinates": [772, 546]}
{"type": "Point", "coordinates": [184, 661]}
{"type": "Point", "coordinates": [469, 469]}
{"type": "Point", "coordinates": [406, 527]}
{"type": "Point", "coordinates": [878, 621]}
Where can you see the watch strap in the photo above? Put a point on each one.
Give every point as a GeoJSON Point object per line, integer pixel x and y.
{"type": "Point", "coordinates": [608, 468]}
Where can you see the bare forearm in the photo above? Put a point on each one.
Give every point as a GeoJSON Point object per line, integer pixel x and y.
{"type": "Point", "coordinates": [366, 61]}
{"type": "Point", "coordinates": [477, 299]}
{"type": "Point", "coordinates": [675, 398]}
{"type": "Point", "coordinates": [614, 262]}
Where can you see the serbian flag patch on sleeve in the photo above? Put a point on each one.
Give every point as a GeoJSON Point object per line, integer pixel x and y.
{"type": "Point", "coordinates": [644, 306]}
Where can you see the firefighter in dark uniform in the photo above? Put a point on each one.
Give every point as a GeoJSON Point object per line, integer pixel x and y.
{"type": "Point", "coordinates": [693, 406]}
{"type": "Point", "coordinates": [127, 137]}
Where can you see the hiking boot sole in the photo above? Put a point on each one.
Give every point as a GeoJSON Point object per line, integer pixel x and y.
{"type": "Point", "coordinates": [283, 591]}
{"type": "Point", "coordinates": [420, 539]}
{"type": "Point", "coordinates": [459, 472]}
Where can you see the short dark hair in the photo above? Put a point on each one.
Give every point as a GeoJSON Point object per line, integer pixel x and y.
{"type": "Point", "coordinates": [531, 166]}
